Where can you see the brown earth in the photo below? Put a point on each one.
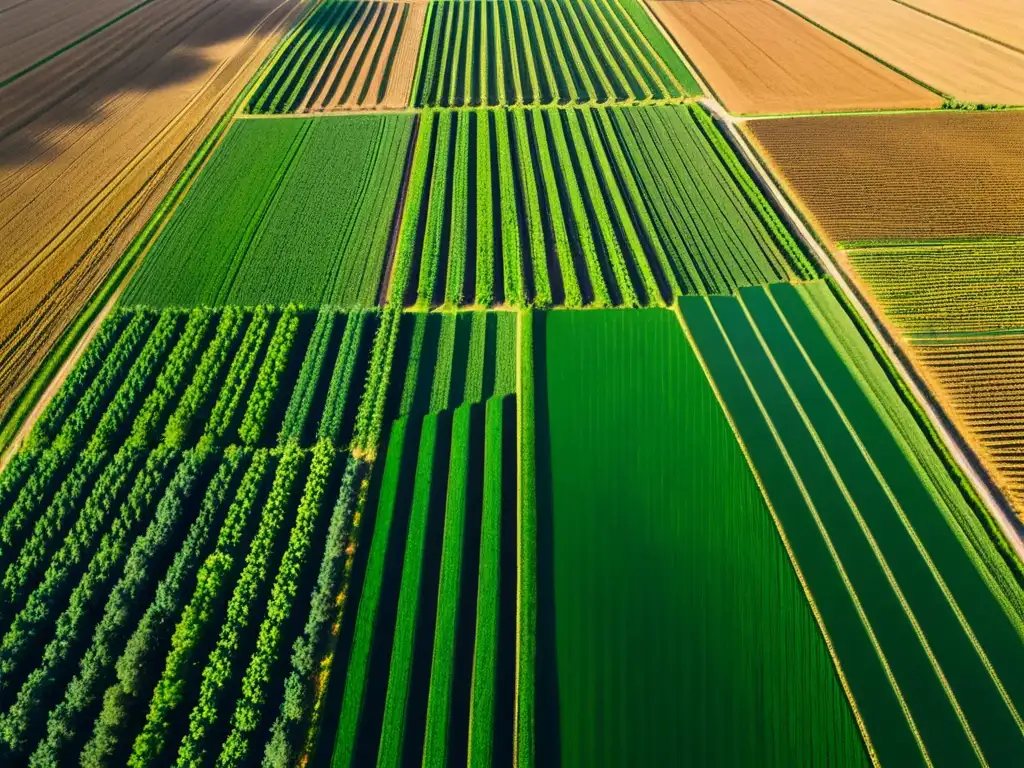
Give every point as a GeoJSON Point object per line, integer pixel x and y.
{"type": "Point", "coordinates": [762, 58]}
{"type": "Point", "coordinates": [983, 382]}
{"type": "Point", "coordinates": [1001, 20]}
{"type": "Point", "coordinates": [953, 61]}
{"type": "Point", "coordinates": [92, 141]}
{"type": "Point", "coordinates": [32, 30]}
{"type": "Point", "coordinates": [907, 176]}
{"type": "Point", "coordinates": [359, 56]}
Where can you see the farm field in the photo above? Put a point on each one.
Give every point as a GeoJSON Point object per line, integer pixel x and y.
{"type": "Point", "coordinates": [998, 20]}
{"type": "Point", "coordinates": [980, 378]}
{"type": "Point", "coordinates": [957, 307]}
{"type": "Point", "coordinates": [950, 60]}
{"type": "Point", "coordinates": [318, 200]}
{"type": "Point", "coordinates": [582, 206]}
{"type": "Point", "coordinates": [929, 176]}
{"type": "Point", "coordinates": [903, 569]}
{"type": "Point", "coordinates": [453, 382]}
{"type": "Point", "coordinates": [36, 29]}
{"type": "Point", "coordinates": [91, 143]}
{"type": "Point", "coordinates": [759, 57]}
{"type": "Point", "coordinates": [348, 55]}
{"type": "Point", "coordinates": [721, 673]}
{"type": "Point", "coordinates": [512, 52]}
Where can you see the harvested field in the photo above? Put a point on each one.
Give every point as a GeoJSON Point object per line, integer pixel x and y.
{"type": "Point", "coordinates": [35, 29]}
{"type": "Point", "coordinates": [288, 211]}
{"type": "Point", "coordinates": [955, 62]}
{"type": "Point", "coordinates": [93, 140]}
{"type": "Point", "coordinates": [347, 56]}
{"type": "Point", "coordinates": [912, 176]}
{"type": "Point", "coordinates": [1000, 20]}
{"type": "Point", "coordinates": [982, 380]}
{"type": "Point", "coordinates": [759, 57]}
{"type": "Point", "coordinates": [930, 289]}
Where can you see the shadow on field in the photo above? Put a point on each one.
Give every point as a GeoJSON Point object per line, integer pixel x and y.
{"type": "Point", "coordinates": [548, 734]}
{"type": "Point", "coordinates": [153, 49]}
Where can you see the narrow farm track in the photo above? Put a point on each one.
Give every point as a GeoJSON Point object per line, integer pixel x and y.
{"type": "Point", "coordinates": [968, 462]}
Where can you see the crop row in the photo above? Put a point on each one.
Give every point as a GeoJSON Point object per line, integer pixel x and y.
{"type": "Point", "coordinates": [920, 607]}
{"type": "Point", "coordinates": [511, 52]}
{"type": "Point", "coordinates": [582, 206]}
{"type": "Point", "coordinates": [434, 601]}
{"type": "Point", "coordinates": [186, 595]}
{"type": "Point", "coordinates": [346, 55]}
{"type": "Point", "coordinates": [286, 211]}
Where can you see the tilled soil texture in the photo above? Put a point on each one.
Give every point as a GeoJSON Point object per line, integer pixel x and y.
{"type": "Point", "coordinates": [955, 62]}
{"type": "Point", "coordinates": [761, 59]}
{"type": "Point", "coordinates": [372, 63]}
{"type": "Point", "coordinates": [911, 176]}
{"type": "Point", "coordinates": [31, 30]}
{"type": "Point", "coordinates": [1000, 20]}
{"type": "Point", "coordinates": [346, 56]}
{"type": "Point", "coordinates": [981, 379]}
{"type": "Point", "coordinates": [92, 141]}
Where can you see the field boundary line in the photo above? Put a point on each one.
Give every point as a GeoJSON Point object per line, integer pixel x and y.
{"type": "Point", "coordinates": [962, 455]}
{"type": "Point", "coordinates": [824, 535]}
{"type": "Point", "coordinates": [953, 604]}
{"type": "Point", "coordinates": [961, 27]}
{"type": "Point", "coordinates": [785, 539]}
{"type": "Point", "coordinates": [21, 418]}
{"type": "Point", "coordinates": [74, 43]}
{"type": "Point", "coordinates": [868, 535]}
{"type": "Point", "coordinates": [864, 51]}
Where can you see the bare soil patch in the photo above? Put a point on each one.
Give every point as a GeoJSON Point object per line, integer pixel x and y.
{"type": "Point", "coordinates": [910, 176]}
{"type": "Point", "coordinates": [91, 142]}
{"type": "Point", "coordinates": [762, 58]}
{"type": "Point", "coordinates": [949, 59]}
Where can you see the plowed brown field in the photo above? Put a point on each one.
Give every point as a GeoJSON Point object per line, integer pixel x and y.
{"type": "Point", "coordinates": [1001, 20]}
{"type": "Point", "coordinates": [90, 143]}
{"type": "Point", "coordinates": [956, 62]}
{"type": "Point", "coordinates": [352, 74]}
{"type": "Point", "coordinates": [910, 176]}
{"type": "Point", "coordinates": [761, 58]}
{"type": "Point", "coordinates": [983, 381]}
{"type": "Point", "coordinates": [32, 30]}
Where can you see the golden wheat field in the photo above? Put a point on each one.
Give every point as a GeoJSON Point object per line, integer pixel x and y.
{"type": "Point", "coordinates": [761, 58]}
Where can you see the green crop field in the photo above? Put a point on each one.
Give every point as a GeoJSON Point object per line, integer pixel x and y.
{"type": "Point", "coordinates": [497, 52]}
{"type": "Point", "coordinates": [657, 547]}
{"type": "Point", "coordinates": [475, 397]}
{"type": "Point", "coordinates": [904, 568]}
{"type": "Point", "coordinates": [288, 211]}
{"type": "Point", "coordinates": [624, 206]}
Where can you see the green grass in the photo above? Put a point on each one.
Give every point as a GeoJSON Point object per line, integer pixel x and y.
{"type": "Point", "coordinates": [392, 735]}
{"type": "Point", "coordinates": [659, 549]}
{"type": "Point", "coordinates": [287, 211]}
{"type": "Point", "coordinates": [485, 650]}
{"type": "Point", "coordinates": [544, 53]}
{"type": "Point", "coordinates": [442, 668]}
{"type": "Point", "coordinates": [525, 741]}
